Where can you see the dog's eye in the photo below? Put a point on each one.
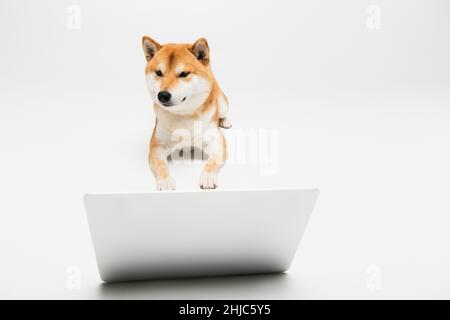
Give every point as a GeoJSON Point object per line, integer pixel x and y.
{"type": "Point", "coordinates": [159, 73]}
{"type": "Point", "coordinates": [184, 74]}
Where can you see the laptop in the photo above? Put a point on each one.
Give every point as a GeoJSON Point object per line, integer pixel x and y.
{"type": "Point", "coordinates": [174, 234]}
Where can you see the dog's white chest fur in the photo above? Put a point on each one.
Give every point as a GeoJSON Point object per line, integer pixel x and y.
{"type": "Point", "coordinates": [176, 131]}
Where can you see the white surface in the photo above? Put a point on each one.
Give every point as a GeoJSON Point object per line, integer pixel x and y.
{"type": "Point", "coordinates": [161, 235]}
{"type": "Point", "coordinates": [363, 115]}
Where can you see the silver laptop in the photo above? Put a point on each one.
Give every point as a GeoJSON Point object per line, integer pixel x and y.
{"type": "Point", "coordinates": [196, 233]}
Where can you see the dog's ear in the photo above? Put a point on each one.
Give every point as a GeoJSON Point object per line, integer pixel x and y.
{"type": "Point", "coordinates": [200, 49]}
{"type": "Point", "coordinates": [150, 47]}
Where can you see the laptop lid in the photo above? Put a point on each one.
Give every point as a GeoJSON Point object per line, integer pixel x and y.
{"type": "Point", "coordinates": [196, 233]}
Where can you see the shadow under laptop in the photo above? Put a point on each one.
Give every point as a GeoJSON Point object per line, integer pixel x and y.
{"type": "Point", "coordinates": [264, 286]}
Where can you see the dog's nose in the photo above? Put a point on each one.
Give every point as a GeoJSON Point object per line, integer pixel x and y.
{"type": "Point", "coordinates": [164, 96]}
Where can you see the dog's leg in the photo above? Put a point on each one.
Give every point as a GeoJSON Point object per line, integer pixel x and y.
{"type": "Point", "coordinates": [224, 122]}
{"type": "Point", "coordinates": [217, 154]}
{"type": "Point", "coordinates": [157, 159]}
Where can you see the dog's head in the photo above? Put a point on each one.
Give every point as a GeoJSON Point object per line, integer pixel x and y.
{"type": "Point", "coordinates": [178, 75]}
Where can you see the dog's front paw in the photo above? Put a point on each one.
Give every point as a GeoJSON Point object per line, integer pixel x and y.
{"type": "Point", "coordinates": [224, 123]}
{"type": "Point", "coordinates": [208, 180]}
{"type": "Point", "coordinates": [165, 184]}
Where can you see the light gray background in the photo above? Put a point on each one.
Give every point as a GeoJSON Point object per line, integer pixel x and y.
{"type": "Point", "coordinates": [362, 114]}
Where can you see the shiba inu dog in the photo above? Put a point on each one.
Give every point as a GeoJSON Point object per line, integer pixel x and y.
{"type": "Point", "coordinates": [189, 107]}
